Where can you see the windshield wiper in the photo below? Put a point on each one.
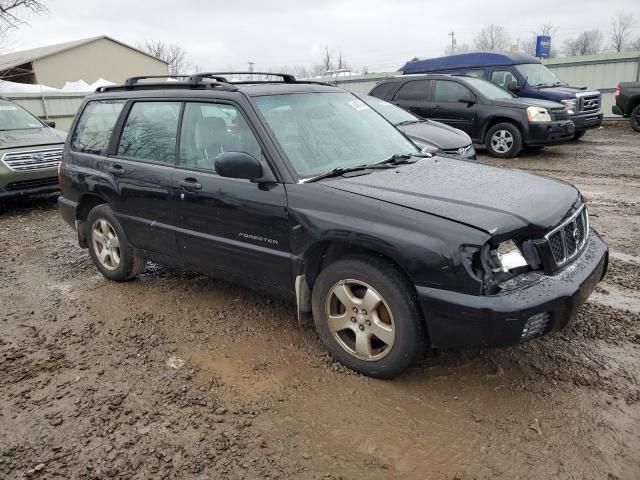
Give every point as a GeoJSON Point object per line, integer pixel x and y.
{"type": "Point", "coordinates": [408, 122]}
{"type": "Point", "coordinates": [336, 172]}
{"type": "Point", "coordinates": [392, 161]}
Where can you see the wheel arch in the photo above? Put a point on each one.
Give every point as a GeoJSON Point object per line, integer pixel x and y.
{"type": "Point", "coordinates": [633, 103]}
{"type": "Point", "coordinates": [85, 204]}
{"type": "Point", "coordinates": [491, 121]}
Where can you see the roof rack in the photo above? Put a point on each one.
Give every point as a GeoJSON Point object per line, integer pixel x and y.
{"type": "Point", "coordinates": [196, 80]}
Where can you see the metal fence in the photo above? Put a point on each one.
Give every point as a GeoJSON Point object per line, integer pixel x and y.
{"type": "Point", "coordinates": [60, 107]}
{"type": "Point", "coordinates": [597, 72]}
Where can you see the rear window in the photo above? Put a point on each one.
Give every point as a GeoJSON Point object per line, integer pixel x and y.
{"type": "Point", "coordinates": [150, 132]}
{"type": "Point", "coordinates": [95, 126]}
{"type": "Point", "coordinates": [416, 90]}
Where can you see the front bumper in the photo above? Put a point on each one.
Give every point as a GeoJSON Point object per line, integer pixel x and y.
{"type": "Point", "coordinates": [459, 320]}
{"type": "Point", "coordinates": [550, 133]}
{"type": "Point", "coordinates": [585, 121]}
{"type": "Point", "coordinates": [34, 186]}
{"type": "Point", "coordinates": [468, 153]}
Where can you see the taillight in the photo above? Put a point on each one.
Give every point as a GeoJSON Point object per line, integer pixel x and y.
{"type": "Point", "coordinates": [616, 92]}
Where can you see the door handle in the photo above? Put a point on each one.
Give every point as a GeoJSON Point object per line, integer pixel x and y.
{"type": "Point", "coordinates": [437, 107]}
{"type": "Point", "coordinates": [116, 170]}
{"type": "Point", "coordinates": [190, 185]}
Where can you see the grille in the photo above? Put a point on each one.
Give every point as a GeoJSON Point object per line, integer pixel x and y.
{"type": "Point", "coordinates": [589, 102]}
{"type": "Point", "coordinates": [536, 326]}
{"type": "Point", "coordinates": [26, 184]}
{"type": "Point", "coordinates": [457, 151]}
{"type": "Point", "coordinates": [567, 239]}
{"type": "Point", "coordinates": [31, 160]}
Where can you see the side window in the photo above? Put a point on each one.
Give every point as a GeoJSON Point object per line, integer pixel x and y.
{"type": "Point", "coordinates": [95, 126]}
{"type": "Point", "coordinates": [150, 131]}
{"type": "Point", "coordinates": [383, 90]}
{"type": "Point", "coordinates": [447, 91]}
{"type": "Point", "coordinates": [475, 73]}
{"type": "Point", "coordinates": [502, 78]}
{"type": "Point", "coordinates": [208, 129]}
{"type": "Point", "coordinates": [417, 90]}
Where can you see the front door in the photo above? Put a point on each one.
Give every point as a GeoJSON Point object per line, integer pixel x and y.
{"type": "Point", "coordinates": [228, 225]}
{"type": "Point", "coordinates": [449, 105]}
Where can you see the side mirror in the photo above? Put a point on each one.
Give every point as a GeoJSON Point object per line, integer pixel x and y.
{"type": "Point", "coordinates": [468, 99]}
{"type": "Point", "coordinates": [513, 87]}
{"type": "Point", "coordinates": [238, 165]}
{"type": "Point", "coordinates": [50, 123]}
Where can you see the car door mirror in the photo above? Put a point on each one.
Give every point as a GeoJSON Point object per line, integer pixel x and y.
{"type": "Point", "coordinates": [238, 165]}
{"type": "Point", "coordinates": [50, 123]}
{"type": "Point", "coordinates": [513, 87]}
{"type": "Point", "coordinates": [468, 99]}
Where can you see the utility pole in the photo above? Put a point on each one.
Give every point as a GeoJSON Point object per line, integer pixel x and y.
{"type": "Point", "coordinates": [251, 64]}
{"type": "Point", "coordinates": [452, 34]}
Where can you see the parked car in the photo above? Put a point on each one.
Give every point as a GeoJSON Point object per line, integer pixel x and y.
{"type": "Point", "coordinates": [489, 114]}
{"type": "Point", "coordinates": [627, 98]}
{"type": "Point", "coordinates": [315, 197]}
{"type": "Point", "coordinates": [524, 76]}
{"type": "Point", "coordinates": [429, 136]}
{"type": "Point", "coordinates": [30, 152]}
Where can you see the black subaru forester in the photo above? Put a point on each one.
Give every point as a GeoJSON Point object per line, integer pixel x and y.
{"type": "Point", "coordinates": [302, 190]}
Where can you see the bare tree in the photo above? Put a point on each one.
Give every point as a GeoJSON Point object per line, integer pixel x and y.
{"type": "Point", "coordinates": [340, 62]}
{"type": "Point", "coordinates": [12, 12]}
{"type": "Point", "coordinates": [172, 53]}
{"type": "Point", "coordinates": [621, 26]}
{"type": "Point", "coordinates": [587, 43]}
{"type": "Point", "coordinates": [327, 59]}
{"type": "Point", "coordinates": [493, 38]}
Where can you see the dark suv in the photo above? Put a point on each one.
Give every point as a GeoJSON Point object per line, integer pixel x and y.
{"type": "Point", "coordinates": [301, 190]}
{"type": "Point", "coordinates": [489, 114]}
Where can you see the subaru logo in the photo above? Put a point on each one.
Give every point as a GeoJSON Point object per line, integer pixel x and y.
{"type": "Point", "coordinates": [38, 157]}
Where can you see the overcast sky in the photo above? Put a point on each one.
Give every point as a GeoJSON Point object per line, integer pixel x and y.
{"type": "Point", "coordinates": [379, 34]}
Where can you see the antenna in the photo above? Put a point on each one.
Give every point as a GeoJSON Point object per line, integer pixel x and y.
{"type": "Point", "coordinates": [251, 64]}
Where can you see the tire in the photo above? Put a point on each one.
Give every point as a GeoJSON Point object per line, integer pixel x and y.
{"type": "Point", "coordinates": [635, 118]}
{"type": "Point", "coordinates": [504, 140]}
{"type": "Point", "coordinates": [393, 314]}
{"type": "Point", "coordinates": [578, 135]}
{"type": "Point", "coordinates": [109, 247]}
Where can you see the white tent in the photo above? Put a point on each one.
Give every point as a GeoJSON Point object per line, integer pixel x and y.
{"type": "Point", "coordinates": [77, 86]}
{"type": "Point", "coordinates": [13, 87]}
{"type": "Point", "coordinates": [101, 82]}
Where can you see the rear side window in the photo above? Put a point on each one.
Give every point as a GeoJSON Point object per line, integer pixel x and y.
{"type": "Point", "coordinates": [150, 132]}
{"type": "Point", "coordinates": [417, 90]}
{"type": "Point", "coordinates": [95, 126]}
{"type": "Point", "coordinates": [447, 91]}
{"type": "Point", "coordinates": [383, 90]}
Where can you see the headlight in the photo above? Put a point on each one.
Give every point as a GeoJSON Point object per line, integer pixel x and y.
{"type": "Point", "coordinates": [508, 257]}
{"type": "Point", "coordinates": [570, 106]}
{"type": "Point", "coordinates": [538, 114]}
{"type": "Point", "coordinates": [426, 147]}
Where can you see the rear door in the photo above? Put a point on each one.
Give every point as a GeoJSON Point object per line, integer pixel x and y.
{"type": "Point", "coordinates": [139, 174]}
{"type": "Point", "coordinates": [448, 105]}
{"type": "Point", "coordinates": [414, 96]}
{"type": "Point", "coordinates": [228, 225]}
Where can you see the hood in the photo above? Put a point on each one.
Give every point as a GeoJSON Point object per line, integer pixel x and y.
{"type": "Point", "coordinates": [439, 134]}
{"type": "Point", "coordinates": [31, 137]}
{"type": "Point", "coordinates": [495, 200]}
{"type": "Point", "coordinates": [556, 94]}
{"type": "Point", "coordinates": [524, 102]}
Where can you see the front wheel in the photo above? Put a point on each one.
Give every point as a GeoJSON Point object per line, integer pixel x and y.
{"type": "Point", "coordinates": [635, 118]}
{"type": "Point", "coordinates": [504, 140]}
{"type": "Point", "coordinates": [366, 314]}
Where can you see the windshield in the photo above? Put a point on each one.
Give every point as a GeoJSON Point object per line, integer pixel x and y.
{"type": "Point", "coordinates": [323, 131]}
{"type": "Point", "coordinates": [395, 115]}
{"type": "Point", "coordinates": [13, 117]}
{"type": "Point", "coordinates": [487, 89]}
{"type": "Point", "coordinates": [537, 74]}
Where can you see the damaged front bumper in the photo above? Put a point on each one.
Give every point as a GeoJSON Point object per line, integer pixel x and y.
{"type": "Point", "coordinates": [547, 304]}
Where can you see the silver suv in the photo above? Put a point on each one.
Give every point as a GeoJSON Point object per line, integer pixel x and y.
{"type": "Point", "coordinates": [30, 152]}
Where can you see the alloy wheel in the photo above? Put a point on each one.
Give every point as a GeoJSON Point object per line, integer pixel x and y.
{"type": "Point", "coordinates": [502, 141]}
{"type": "Point", "coordinates": [360, 320]}
{"type": "Point", "coordinates": [106, 244]}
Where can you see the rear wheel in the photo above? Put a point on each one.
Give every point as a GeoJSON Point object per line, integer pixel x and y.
{"type": "Point", "coordinates": [504, 140]}
{"type": "Point", "coordinates": [635, 118]}
{"type": "Point", "coordinates": [367, 315]}
{"type": "Point", "coordinates": [109, 247]}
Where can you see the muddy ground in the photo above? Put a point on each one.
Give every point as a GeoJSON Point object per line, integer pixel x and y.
{"type": "Point", "coordinates": [175, 375]}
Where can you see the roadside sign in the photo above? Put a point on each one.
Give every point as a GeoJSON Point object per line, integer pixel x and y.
{"type": "Point", "coordinates": [543, 46]}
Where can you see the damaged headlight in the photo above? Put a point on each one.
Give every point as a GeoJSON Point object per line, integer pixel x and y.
{"type": "Point", "coordinates": [538, 114]}
{"type": "Point", "coordinates": [507, 257]}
